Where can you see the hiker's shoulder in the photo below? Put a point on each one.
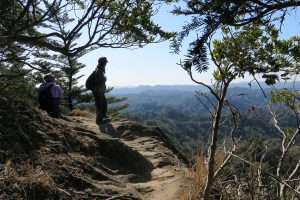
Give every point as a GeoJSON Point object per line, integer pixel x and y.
{"type": "Point", "coordinates": [44, 85]}
{"type": "Point", "coordinates": [56, 88]}
{"type": "Point", "coordinates": [99, 72]}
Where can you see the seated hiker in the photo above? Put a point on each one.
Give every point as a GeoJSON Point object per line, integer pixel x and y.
{"type": "Point", "coordinates": [50, 96]}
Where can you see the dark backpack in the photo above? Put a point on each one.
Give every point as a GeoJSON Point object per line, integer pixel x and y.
{"type": "Point", "coordinates": [90, 81]}
{"type": "Point", "coordinates": [45, 99]}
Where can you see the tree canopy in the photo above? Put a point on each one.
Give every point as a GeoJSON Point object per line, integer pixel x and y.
{"type": "Point", "coordinates": [250, 44]}
{"type": "Point", "coordinates": [210, 16]}
{"type": "Point", "coordinates": [40, 34]}
{"type": "Point", "coordinates": [116, 24]}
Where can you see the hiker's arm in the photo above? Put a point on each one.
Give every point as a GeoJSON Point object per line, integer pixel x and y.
{"type": "Point", "coordinates": [57, 92]}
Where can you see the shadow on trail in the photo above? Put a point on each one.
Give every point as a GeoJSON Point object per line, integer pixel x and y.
{"type": "Point", "coordinates": [128, 161]}
{"type": "Point", "coordinates": [107, 128]}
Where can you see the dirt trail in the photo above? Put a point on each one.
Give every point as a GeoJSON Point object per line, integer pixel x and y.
{"type": "Point", "coordinates": [167, 175]}
{"type": "Point", "coordinates": [73, 158]}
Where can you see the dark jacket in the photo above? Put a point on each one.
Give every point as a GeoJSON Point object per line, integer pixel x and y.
{"type": "Point", "coordinates": [100, 80]}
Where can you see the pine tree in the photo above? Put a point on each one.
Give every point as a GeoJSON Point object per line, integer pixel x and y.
{"type": "Point", "coordinates": [47, 26]}
{"type": "Point", "coordinates": [114, 111]}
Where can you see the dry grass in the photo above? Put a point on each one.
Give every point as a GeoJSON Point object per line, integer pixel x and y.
{"type": "Point", "coordinates": [27, 175]}
{"type": "Point", "coordinates": [55, 131]}
{"type": "Point", "coordinates": [77, 112]}
{"type": "Point", "coordinates": [86, 142]}
{"type": "Point", "coordinates": [197, 177]}
{"type": "Point", "coordinates": [24, 180]}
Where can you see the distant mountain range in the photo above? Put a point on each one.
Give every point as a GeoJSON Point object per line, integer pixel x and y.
{"type": "Point", "coordinates": [192, 88]}
{"type": "Point", "coordinates": [187, 120]}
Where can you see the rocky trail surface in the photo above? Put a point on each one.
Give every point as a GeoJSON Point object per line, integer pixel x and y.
{"type": "Point", "coordinates": [164, 178]}
{"type": "Point", "coordinates": [45, 158]}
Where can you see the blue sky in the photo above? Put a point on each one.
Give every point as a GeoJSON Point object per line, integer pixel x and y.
{"type": "Point", "coordinates": [154, 64]}
{"type": "Point", "coordinates": [150, 65]}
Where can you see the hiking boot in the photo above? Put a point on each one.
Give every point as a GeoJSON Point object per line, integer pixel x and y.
{"type": "Point", "coordinates": [107, 120]}
{"type": "Point", "coordinates": [100, 121]}
{"type": "Point", "coordinates": [103, 121]}
{"type": "Point", "coordinates": [106, 117]}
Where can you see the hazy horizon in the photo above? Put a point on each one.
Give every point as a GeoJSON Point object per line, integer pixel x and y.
{"type": "Point", "coordinates": [243, 83]}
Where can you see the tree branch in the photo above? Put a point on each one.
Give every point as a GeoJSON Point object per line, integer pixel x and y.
{"type": "Point", "coordinates": [269, 174]}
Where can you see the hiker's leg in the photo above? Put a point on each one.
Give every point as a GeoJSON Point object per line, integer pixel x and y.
{"type": "Point", "coordinates": [104, 108]}
{"type": "Point", "coordinates": [98, 103]}
{"type": "Point", "coordinates": [56, 107]}
{"type": "Point", "coordinates": [53, 108]}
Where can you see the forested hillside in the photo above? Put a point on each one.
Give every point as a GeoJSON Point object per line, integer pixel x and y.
{"type": "Point", "coordinates": [184, 117]}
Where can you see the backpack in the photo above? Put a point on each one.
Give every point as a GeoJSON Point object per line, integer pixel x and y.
{"type": "Point", "coordinates": [90, 81]}
{"type": "Point", "coordinates": [45, 99]}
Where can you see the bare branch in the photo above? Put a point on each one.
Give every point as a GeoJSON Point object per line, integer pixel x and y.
{"type": "Point", "coordinates": [198, 97]}
{"type": "Point", "coordinates": [295, 171]}
{"type": "Point", "coordinates": [269, 174]}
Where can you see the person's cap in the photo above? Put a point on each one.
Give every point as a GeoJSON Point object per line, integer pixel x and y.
{"type": "Point", "coordinates": [49, 78]}
{"type": "Point", "coordinates": [102, 60]}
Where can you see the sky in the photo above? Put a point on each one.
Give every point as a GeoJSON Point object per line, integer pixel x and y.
{"type": "Point", "coordinates": [154, 64]}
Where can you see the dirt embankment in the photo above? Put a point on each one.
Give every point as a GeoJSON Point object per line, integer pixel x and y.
{"type": "Point", "coordinates": [44, 158]}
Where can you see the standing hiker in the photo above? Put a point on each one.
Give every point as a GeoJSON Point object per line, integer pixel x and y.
{"type": "Point", "coordinates": [50, 96]}
{"type": "Point", "coordinates": [96, 83]}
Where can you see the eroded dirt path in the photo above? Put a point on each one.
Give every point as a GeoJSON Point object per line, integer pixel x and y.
{"type": "Point", "coordinates": [167, 174]}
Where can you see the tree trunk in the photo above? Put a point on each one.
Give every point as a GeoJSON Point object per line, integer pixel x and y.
{"type": "Point", "coordinates": [70, 83]}
{"type": "Point", "coordinates": [213, 146]}
{"type": "Point", "coordinates": [70, 104]}
{"type": "Point", "coordinates": [282, 191]}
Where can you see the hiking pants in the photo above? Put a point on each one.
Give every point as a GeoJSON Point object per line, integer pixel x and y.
{"type": "Point", "coordinates": [55, 111]}
{"type": "Point", "coordinates": [101, 105]}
